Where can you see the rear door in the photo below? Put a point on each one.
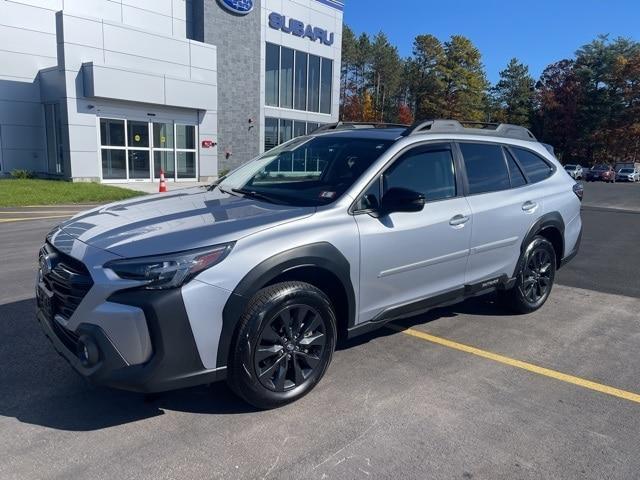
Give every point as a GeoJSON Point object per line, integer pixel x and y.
{"type": "Point", "coordinates": [504, 206]}
{"type": "Point", "coordinates": [406, 257]}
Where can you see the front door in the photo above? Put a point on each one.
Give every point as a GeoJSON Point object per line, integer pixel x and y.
{"type": "Point", "coordinates": [408, 257]}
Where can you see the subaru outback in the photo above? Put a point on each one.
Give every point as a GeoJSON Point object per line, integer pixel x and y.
{"type": "Point", "coordinates": [255, 278]}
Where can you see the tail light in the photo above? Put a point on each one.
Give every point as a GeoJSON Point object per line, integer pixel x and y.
{"type": "Point", "coordinates": [578, 189]}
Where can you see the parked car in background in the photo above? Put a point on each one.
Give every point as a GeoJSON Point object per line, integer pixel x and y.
{"type": "Point", "coordinates": [628, 175]}
{"type": "Point", "coordinates": [602, 172]}
{"type": "Point", "coordinates": [574, 171]}
{"type": "Point", "coordinates": [620, 165]}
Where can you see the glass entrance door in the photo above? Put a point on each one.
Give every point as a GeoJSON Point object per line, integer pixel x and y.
{"type": "Point", "coordinates": [174, 150]}
{"type": "Point", "coordinates": [164, 156]}
{"type": "Point", "coordinates": [138, 153]}
{"type": "Point", "coordinates": [137, 150]}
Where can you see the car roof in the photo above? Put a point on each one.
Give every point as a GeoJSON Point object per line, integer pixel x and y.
{"type": "Point", "coordinates": [447, 127]}
{"type": "Point", "coordinates": [365, 133]}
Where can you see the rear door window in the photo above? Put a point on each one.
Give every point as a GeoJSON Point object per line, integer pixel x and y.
{"type": "Point", "coordinates": [486, 168]}
{"type": "Point", "coordinates": [534, 166]}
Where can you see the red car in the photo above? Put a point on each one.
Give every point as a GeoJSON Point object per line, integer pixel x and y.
{"type": "Point", "coordinates": [606, 173]}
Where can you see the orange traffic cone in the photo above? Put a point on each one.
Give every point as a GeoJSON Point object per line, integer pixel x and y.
{"type": "Point", "coordinates": [163, 182]}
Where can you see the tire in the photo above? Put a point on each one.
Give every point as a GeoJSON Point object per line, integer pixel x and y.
{"type": "Point", "coordinates": [534, 281]}
{"type": "Point", "coordinates": [283, 344]}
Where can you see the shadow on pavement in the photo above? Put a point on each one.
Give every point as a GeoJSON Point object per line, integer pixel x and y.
{"type": "Point", "coordinates": [38, 387]}
{"type": "Point", "coordinates": [484, 305]}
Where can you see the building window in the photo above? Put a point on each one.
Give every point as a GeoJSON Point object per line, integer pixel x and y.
{"type": "Point", "coordinates": [302, 60]}
{"type": "Point", "coordinates": [272, 77]}
{"type": "Point", "coordinates": [54, 138]}
{"type": "Point", "coordinates": [186, 151]}
{"type": "Point", "coordinates": [113, 149]}
{"type": "Point", "coordinates": [163, 150]}
{"type": "Point", "coordinates": [128, 147]}
{"type": "Point", "coordinates": [270, 133]}
{"type": "Point", "coordinates": [326, 81]}
{"type": "Point", "coordinates": [299, 128]}
{"type": "Point", "coordinates": [313, 103]}
{"type": "Point", "coordinates": [286, 130]}
{"type": "Point", "coordinates": [286, 78]}
{"type": "Point", "coordinates": [298, 80]}
{"type": "Point", "coordinates": [277, 131]}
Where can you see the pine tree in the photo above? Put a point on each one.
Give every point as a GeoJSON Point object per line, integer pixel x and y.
{"type": "Point", "coordinates": [513, 94]}
{"type": "Point", "coordinates": [464, 79]}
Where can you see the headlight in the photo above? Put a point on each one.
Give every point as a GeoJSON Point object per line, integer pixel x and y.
{"type": "Point", "coordinates": [171, 270]}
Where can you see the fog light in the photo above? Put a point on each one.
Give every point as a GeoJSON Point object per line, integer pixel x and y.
{"type": "Point", "coordinates": [88, 352]}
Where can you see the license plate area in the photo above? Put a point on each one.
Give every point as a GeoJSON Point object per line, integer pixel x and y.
{"type": "Point", "coordinates": [46, 301]}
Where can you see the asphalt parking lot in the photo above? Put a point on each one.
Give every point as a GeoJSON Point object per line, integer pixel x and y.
{"type": "Point", "coordinates": [555, 394]}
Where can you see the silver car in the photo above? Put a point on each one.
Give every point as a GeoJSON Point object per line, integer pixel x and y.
{"type": "Point", "coordinates": [255, 279]}
{"type": "Point", "coordinates": [628, 175]}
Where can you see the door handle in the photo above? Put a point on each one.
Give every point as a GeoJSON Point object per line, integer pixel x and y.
{"type": "Point", "coordinates": [458, 221]}
{"type": "Point", "coordinates": [529, 206]}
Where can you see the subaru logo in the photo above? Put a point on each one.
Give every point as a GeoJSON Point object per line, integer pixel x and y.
{"type": "Point", "coordinates": [240, 7]}
{"type": "Point", "coordinates": [45, 265]}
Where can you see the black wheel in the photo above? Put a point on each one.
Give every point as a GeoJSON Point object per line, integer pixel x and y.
{"type": "Point", "coordinates": [283, 345]}
{"type": "Point", "coordinates": [536, 273]}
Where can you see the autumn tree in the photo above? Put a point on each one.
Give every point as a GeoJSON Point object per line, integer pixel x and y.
{"type": "Point", "coordinates": [556, 105]}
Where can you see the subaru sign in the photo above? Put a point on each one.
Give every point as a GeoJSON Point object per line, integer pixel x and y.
{"type": "Point", "coordinates": [240, 7]}
{"type": "Point", "coordinates": [299, 29]}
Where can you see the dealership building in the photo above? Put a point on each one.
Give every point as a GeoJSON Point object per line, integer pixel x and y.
{"type": "Point", "coordinates": [115, 90]}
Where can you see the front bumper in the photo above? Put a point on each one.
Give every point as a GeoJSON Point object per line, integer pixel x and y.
{"type": "Point", "coordinates": [174, 362]}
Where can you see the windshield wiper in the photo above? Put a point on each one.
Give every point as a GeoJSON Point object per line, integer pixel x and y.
{"type": "Point", "coordinates": [213, 186]}
{"type": "Point", "coordinates": [254, 194]}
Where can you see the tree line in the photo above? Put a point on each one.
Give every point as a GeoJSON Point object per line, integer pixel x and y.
{"type": "Point", "coordinates": [587, 107]}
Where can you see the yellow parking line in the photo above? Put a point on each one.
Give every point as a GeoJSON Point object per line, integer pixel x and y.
{"type": "Point", "coordinates": [9, 220]}
{"type": "Point", "coordinates": [581, 382]}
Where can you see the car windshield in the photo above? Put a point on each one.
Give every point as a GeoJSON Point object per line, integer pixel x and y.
{"type": "Point", "coordinates": [626, 170]}
{"type": "Point", "coordinates": [307, 171]}
{"type": "Point", "coordinates": [570, 167]}
{"type": "Point", "coordinates": [599, 168]}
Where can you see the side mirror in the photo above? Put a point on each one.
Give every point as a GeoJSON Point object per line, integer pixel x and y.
{"type": "Point", "coordinates": [402, 200]}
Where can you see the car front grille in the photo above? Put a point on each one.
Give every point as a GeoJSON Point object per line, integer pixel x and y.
{"type": "Point", "coordinates": [67, 278]}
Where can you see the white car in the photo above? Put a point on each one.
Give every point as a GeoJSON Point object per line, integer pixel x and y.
{"type": "Point", "coordinates": [574, 171]}
{"type": "Point", "coordinates": [628, 175]}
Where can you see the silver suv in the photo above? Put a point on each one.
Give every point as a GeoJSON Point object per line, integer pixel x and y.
{"type": "Point", "coordinates": [328, 236]}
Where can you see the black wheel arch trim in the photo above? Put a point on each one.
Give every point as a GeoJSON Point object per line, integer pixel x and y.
{"type": "Point", "coordinates": [548, 220]}
{"type": "Point", "coordinates": [321, 255]}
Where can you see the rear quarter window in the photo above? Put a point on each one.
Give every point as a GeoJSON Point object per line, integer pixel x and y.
{"type": "Point", "coordinates": [534, 166]}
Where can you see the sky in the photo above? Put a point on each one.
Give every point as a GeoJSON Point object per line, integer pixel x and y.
{"type": "Point", "coordinates": [537, 32]}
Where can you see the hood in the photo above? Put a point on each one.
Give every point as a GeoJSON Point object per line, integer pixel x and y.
{"type": "Point", "coordinates": [181, 220]}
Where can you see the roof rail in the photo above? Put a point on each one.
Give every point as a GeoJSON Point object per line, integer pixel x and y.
{"type": "Point", "coordinates": [357, 125]}
{"type": "Point", "coordinates": [475, 128]}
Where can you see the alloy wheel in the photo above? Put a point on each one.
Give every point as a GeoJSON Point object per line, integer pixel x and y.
{"type": "Point", "coordinates": [536, 277]}
{"type": "Point", "coordinates": [290, 348]}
